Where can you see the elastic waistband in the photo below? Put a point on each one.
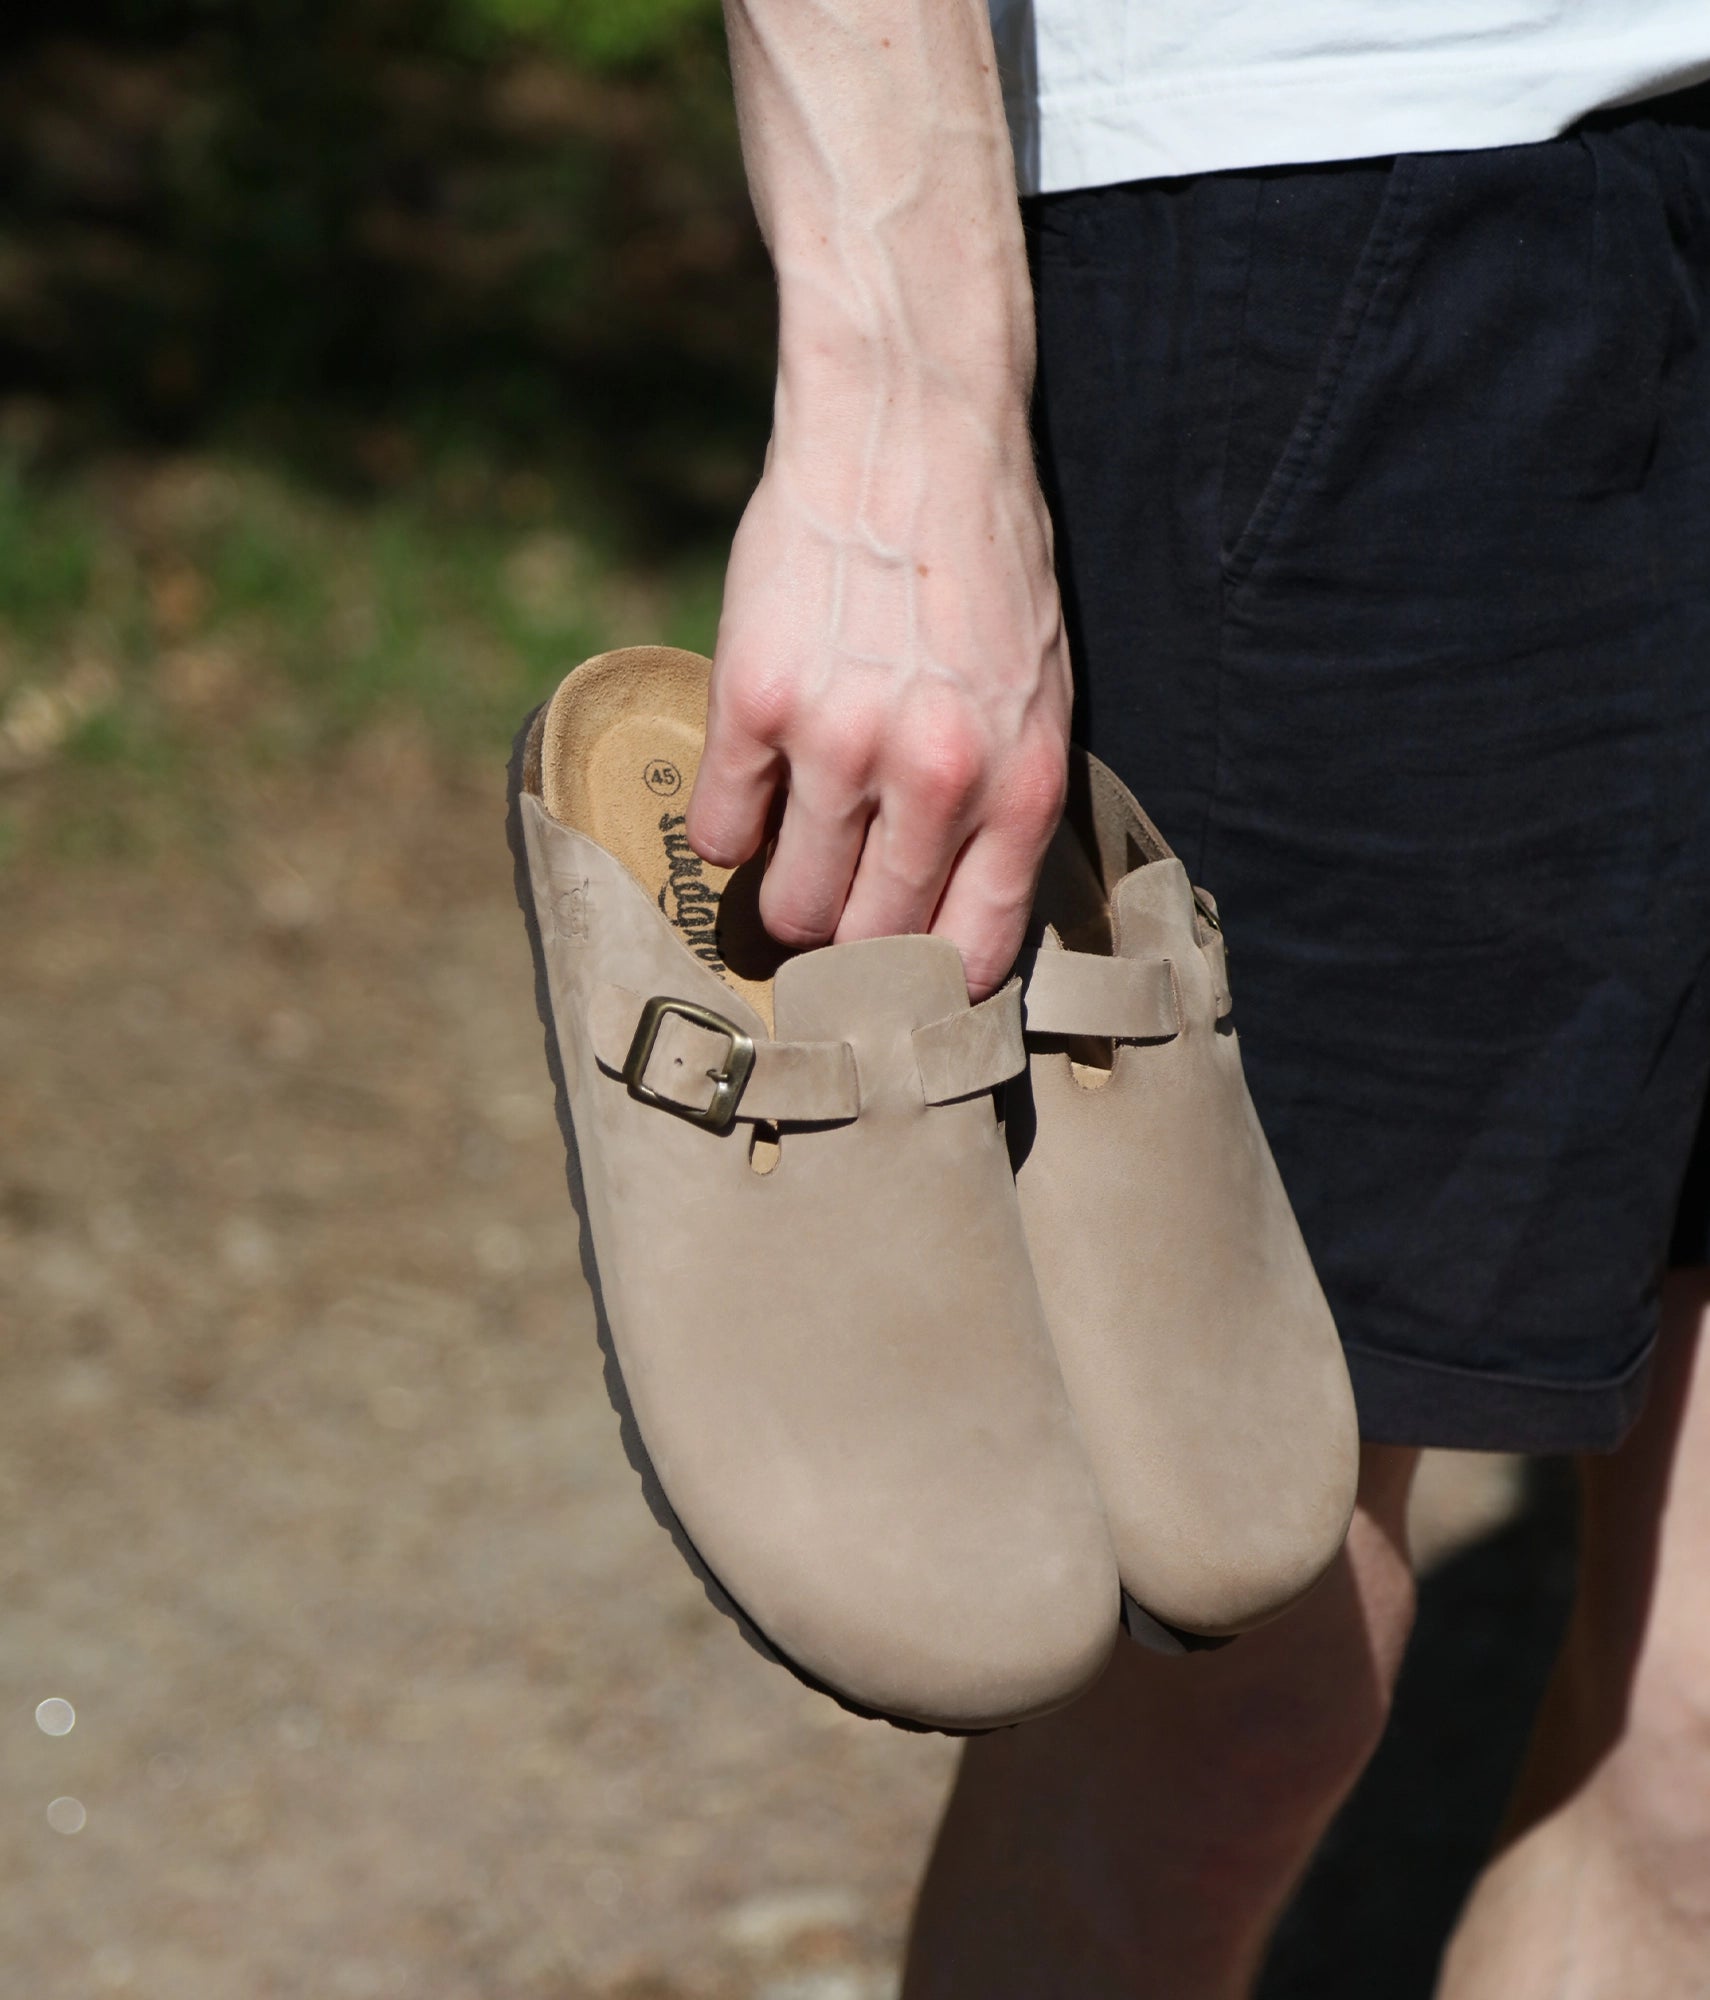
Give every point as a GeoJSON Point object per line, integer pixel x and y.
{"type": "Point", "coordinates": [1689, 107]}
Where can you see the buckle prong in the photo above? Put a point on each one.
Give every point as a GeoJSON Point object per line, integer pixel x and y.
{"type": "Point", "coordinates": [728, 1082]}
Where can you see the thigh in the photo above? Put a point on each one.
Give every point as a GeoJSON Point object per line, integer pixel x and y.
{"type": "Point", "coordinates": [1383, 494]}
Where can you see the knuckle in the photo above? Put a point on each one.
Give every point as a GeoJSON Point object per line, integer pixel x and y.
{"type": "Point", "coordinates": [915, 879]}
{"type": "Point", "coordinates": [908, 859]}
{"type": "Point", "coordinates": [942, 769]}
{"type": "Point", "coordinates": [715, 833]}
{"type": "Point", "coordinates": [797, 936]}
{"type": "Point", "coordinates": [792, 921]}
{"type": "Point", "coordinates": [1035, 792]}
{"type": "Point", "coordinates": [987, 965]}
{"type": "Point", "coordinates": [759, 702]}
{"type": "Point", "coordinates": [998, 915]}
{"type": "Point", "coordinates": [989, 937]}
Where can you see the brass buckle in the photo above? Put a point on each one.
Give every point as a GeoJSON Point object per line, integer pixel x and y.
{"type": "Point", "coordinates": [728, 1081]}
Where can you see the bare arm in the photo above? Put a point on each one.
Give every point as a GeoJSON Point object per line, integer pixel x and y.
{"type": "Point", "coordinates": [891, 645]}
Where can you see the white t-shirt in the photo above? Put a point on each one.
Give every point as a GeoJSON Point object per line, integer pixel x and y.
{"type": "Point", "coordinates": [1117, 90]}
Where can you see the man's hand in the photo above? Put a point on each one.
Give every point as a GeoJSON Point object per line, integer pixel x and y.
{"type": "Point", "coordinates": [891, 649]}
{"type": "Point", "coordinates": [894, 651]}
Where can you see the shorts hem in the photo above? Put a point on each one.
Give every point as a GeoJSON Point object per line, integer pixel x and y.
{"type": "Point", "coordinates": [1433, 1404]}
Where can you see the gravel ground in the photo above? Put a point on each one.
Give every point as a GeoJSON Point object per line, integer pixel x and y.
{"type": "Point", "coordinates": [384, 1680]}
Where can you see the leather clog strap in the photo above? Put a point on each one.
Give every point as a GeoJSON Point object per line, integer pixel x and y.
{"type": "Point", "coordinates": [1085, 993]}
{"type": "Point", "coordinates": [1217, 957]}
{"type": "Point", "coordinates": [974, 1049]}
{"type": "Point", "coordinates": [807, 1083]}
{"type": "Point", "coordinates": [791, 1083]}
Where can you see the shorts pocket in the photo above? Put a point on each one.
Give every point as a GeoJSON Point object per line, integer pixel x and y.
{"type": "Point", "coordinates": [1323, 240]}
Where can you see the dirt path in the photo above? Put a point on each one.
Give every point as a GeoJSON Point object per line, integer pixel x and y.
{"type": "Point", "coordinates": [385, 1681]}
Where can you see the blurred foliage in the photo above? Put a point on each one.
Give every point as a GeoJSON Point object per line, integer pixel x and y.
{"type": "Point", "coordinates": [363, 364]}
{"type": "Point", "coordinates": [601, 33]}
{"type": "Point", "coordinates": [172, 631]}
{"type": "Point", "coordinates": [362, 234]}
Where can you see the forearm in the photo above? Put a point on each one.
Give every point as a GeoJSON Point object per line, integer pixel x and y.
{"type": "Point", "coordinates": [891, 649]}
{"type": "Point", "coordinates": [880, 165]}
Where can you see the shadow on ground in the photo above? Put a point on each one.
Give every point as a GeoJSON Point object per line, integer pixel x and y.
{"type": "Point", "coordinates": [1375, 1911]}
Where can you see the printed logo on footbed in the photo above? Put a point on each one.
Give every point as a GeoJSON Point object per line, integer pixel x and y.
{"type": "Point", "coordinates": [689, 904]}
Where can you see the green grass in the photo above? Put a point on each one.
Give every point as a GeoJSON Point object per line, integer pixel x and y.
{"type": "Point", "coordinates": [47, 558]}
{"type": "Point", "coordinates": [162, 617]}
{"type": "Point", "coordinates": [603, 33]}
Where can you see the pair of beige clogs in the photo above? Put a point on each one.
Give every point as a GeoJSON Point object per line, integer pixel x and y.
{"type": "Point", "coordinates": [946, 1337]}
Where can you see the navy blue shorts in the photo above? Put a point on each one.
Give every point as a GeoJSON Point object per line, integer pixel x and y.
{"type": "Point", "coordinates": [1383, 505]}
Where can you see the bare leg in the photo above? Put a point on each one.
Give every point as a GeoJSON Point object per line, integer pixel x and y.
{"type": "Point", "coordinates": [1143, 1842]}
{"type": "Point", "coordinates": [1601, 1890]}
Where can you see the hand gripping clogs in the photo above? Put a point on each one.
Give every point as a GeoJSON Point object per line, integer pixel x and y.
{"type": "Point", "coordinates": [1196, 1345]}
{"type": "Point", "coordinates": [805, 1244]}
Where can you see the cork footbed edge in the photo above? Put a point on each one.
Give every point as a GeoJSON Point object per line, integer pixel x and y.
{"type": "Point", "coordinates": [619, 748]}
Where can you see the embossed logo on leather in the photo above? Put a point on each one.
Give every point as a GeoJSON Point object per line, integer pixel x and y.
{"type": "Point", "coordinates": [570, 912]}
{"type": "Point", "coordinates": [689, 904]}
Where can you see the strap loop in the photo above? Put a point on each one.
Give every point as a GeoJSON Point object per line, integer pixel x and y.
{"type": "Point", "coordinates": [974, 1049]}
{"type": "Point", "coordinates": [1217, 958]}
{"type": "Point", "coordinates": [1085, 993]}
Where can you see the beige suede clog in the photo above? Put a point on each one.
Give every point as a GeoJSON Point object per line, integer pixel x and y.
{"type": "Point", "coordinates": [822, 1329]}
{"type": "Point", "coordinates": [1198, 1350]}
